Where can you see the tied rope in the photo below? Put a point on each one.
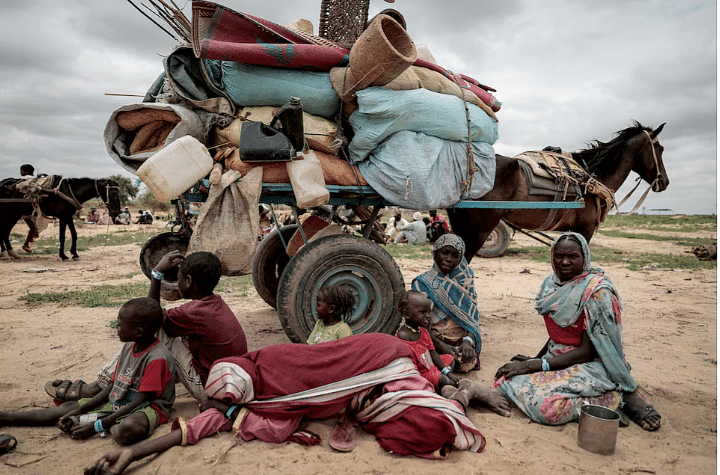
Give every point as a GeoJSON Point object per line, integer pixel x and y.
{"type": "Point", "coordinates": [471, 168]}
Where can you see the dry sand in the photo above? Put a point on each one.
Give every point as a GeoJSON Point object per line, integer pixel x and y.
{"type": "Point", "coordinates": [670, 328]}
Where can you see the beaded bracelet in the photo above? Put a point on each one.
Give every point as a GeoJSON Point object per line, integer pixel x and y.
{"type": "Point", "coordinates": [230, 411]}
{"type": "Point", "coordinates": [545, 365]}
{"type": "Point", "coordinates": [99, 426]}
{"type": "Point", "coordinates": [156, 274]}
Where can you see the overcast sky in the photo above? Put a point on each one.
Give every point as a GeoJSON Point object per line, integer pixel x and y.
{"type": "Point", "coordinates": [567, 72]}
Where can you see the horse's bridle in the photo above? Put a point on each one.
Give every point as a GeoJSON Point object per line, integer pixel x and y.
{"type": "Point", "coordinates": [108, 187]}
{"type": "Point", "coordinates": [658, 175]}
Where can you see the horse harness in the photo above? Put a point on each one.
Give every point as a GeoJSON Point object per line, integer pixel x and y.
{"type": "Point", "coordinates": [557, 174]}
{"type": "Point", "coordinates": [658, 175]}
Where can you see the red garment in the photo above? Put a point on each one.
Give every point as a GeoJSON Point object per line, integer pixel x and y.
{"type": "Point", "coordinates": [212, 330]}
{"type": "Point", "coordinates": [237, 36]}
{"type": "Point", "coordinates": [421, 349]}
{"type": "Point", "coordinates": [440, 219]}
{"type": "Point", "coordinates": [289, 369]}
{"type": "Point", "coordinates": [570, 335]}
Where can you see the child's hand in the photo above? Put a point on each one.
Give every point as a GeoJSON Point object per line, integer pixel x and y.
{"type": "Point", "coordinates": [67, 422]}
{"type": "Point", "coordinates": [170, 260]}
{"type": "Point", "coordinates": [82, 431]}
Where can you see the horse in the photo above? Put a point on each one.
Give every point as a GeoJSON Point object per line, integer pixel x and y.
{"type": "Point", "coordinates": [635, 148]}
{"type": "Point", "coordinates": [61, 200]}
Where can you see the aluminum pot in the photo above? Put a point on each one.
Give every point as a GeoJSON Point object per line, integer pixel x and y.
{"type": "Point", "coordinates": [598, 429]}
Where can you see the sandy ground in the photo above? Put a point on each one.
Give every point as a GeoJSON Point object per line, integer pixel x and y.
{"type": "Point", "coordinates": [670, 328]}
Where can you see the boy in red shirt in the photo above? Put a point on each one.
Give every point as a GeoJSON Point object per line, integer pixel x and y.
{"type": "Point", "coordinates": [142, 390]}
{"type": "Point", "coordinates": [197, 333]}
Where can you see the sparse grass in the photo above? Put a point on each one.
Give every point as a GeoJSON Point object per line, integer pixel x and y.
{"type": "Point", "coordinates": [634, 261]}
{"type": "Point", "coordinates": [49, 244]}
{"type": "Point", "coordinates": [240, 285]}
{"type": "Point", "coordinates": [675, 224]}
{"type": "Point", "coordinates": [100, 296]}
{"type": "Point", "coordinates": [679, 240]}
{"type": "Point", "coordinates": [409, 252]}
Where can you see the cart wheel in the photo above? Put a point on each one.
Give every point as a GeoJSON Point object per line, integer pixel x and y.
{"type": "Point", "coordinates": [153, 250]}
{"type": "Point", "coordinates": [359, 264]}
{"type": "Point", "coordinates": [269, 263]}
{"type": "Point", "coordinates": [497, 242]}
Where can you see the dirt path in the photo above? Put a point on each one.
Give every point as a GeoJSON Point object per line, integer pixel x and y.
{"type": "Point", "coordinates": [670, 328]}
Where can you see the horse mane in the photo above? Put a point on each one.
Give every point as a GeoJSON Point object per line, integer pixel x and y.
{"type": "Point", "coordinates": [602, 158]}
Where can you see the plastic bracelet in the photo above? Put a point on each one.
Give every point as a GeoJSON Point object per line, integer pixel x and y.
{"type": "Point", "coordinates": [99, 426]}
{"type": "Point", "coordinates": [545, 365]}
{"type": "Point", "coordinates": [468, 338]}
{"type": "Point", "coordinates": [230, 411]}
{"type": "Point", "coordinates": [446, 370]}
{"type": "Point", "coordinates": [156, 274]}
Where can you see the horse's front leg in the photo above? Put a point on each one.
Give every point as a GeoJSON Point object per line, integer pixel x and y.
{"type": "Point", "coordinates": [63, 224]}
{"type": "Point", "coordinates": [73, 236]}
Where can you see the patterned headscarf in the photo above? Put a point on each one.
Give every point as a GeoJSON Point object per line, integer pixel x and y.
{"type": "Point", "coordinates": [453, 294]}
{"type": "Point", "coordinates": [590, 290]}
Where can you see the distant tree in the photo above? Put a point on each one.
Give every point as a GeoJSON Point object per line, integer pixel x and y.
{"type": "Point", "coordinates": [128, 191]}
{"type": "Point", "coordinates": [148, 201]}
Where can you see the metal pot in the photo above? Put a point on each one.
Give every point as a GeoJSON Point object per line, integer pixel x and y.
{"type": "Point", "coordinates": [598, 429]}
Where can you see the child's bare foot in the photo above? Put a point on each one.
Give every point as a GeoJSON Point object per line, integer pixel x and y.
{"type": "Point", "coordinates": [13, 254]}
{"type": "Point", "coordinates": [495, 401]}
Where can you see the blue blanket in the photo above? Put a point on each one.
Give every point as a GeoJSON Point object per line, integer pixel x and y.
{"type": "Point", "coordinates": [418, 171]}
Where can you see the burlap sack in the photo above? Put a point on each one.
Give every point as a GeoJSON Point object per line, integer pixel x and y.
{"type": "Point", "coordinates": [228, 223]}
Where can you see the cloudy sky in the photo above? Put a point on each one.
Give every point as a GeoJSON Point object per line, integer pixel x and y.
{"type": "Point", "coordinates": [567, 72]}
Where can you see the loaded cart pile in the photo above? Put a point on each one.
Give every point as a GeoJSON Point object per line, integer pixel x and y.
{"type": "Point", "coordinates": [274, 114]}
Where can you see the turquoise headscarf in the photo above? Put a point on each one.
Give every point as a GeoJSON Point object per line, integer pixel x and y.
{"type": "Point", "coordinates": [590, 290]}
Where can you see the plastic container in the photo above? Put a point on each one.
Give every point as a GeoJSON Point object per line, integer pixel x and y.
{"type": "Point", "coordinates": [175, 168]}
{"type": "Point", "coordinates": [308, 183]}
{"type": "Point", "coordinates": [598, 428]}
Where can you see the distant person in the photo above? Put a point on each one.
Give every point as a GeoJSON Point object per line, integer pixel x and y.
{"type": "Point", "coordinates": [414, 233]}
{"type": "Point", "coordinates": [438, 225]}
{"type": "Point", "coordinates": [124, 217]}
{"type": "Point", "coordinates": [141, 393]}
{"type": "Point", "coordinates": [27, 173]}
{"type": "Point", "coordinates": [144, 218]}
{"type": "Point", "coordinates": [105, 218]}
{"type": "Point", "coordinates": [93, 216]}
{"type": "Point", "coordinates": [334, 306]}
{"type": "Point", "coordinates": [394, 225]}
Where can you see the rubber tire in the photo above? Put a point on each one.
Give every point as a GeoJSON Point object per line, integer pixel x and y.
{"type": "Point", "coordinates": [362, 265]}
{"type": "Point", "coordinates": [269, 262]}
{"type": "Point", "coordinates": [153, 250]}
{"type": "Point", "coordinates": [497, 242]}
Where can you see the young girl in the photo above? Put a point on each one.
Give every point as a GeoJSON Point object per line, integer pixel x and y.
{"type": "Point", "coordinates": [415, 308]}
{"type": "Point", "coordinates": [334, 306]}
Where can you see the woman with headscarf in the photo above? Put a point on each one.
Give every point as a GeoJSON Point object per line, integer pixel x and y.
{"type": "Point", "coordinates": [583, 359]}
{"type": "Point", "coordinates": [454, 325]}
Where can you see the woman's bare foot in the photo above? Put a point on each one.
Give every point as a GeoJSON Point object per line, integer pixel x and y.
{"type": "Point", "coordinates": [13, 254]}
{"type": "Point", "coordinates": [491, 398]}
{"type": "Point", "coordinates": [640, 411]}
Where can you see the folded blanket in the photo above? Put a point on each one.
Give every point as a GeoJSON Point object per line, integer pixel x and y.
{"type": "Point", "coordinates": [418, 171]}
{"type": "Point", "coordinates": [383, 112]}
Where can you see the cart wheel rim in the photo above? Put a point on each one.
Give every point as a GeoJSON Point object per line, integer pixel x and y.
{"type": "Point", "coordinates": [364, 288]}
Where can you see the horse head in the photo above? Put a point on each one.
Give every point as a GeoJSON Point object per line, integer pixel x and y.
{"type": "Point", "coordinates": [109, 192]}
{"type": "Point", "coordinates": [650, 166]}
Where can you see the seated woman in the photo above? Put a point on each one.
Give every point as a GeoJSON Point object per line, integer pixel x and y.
{"type": "Point", "coordinates": [583, 360]}
{"type": "Point", "coordinates": [265, 394]}
{"type": "Point", "coordinates": [454, 318]}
